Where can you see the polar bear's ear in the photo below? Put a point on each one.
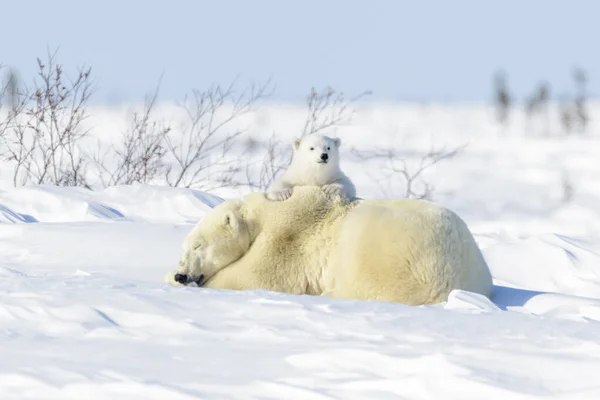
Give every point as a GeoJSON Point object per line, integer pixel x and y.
{"type": "Point", "coordinates": [297, 143]}
{"type": "Point", "coordinates": [338, 142]}
{"type": "Point", "coordinates": [231, 220]}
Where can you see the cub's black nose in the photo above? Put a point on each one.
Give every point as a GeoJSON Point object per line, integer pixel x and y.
{"type": "Point", "coordinates": [324, 156]}
{"type": "Point", "coordinates": [181, 278]}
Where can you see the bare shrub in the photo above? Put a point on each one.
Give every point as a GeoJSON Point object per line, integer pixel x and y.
{"type": "Point", "coordinates": [9, 95]}
{"type": "Point", "coordinates": [567, 188]}
{"type": "Point", "coordinates": [44, 130]}
{"type": "Point", "coordinates": [537, 104]}
{"type": "Point", "coordinates": [567, 118]}
{"type": "Point", "coordinates": [398, 177]}
{"type": "Point", "coordinates": [138, 158]}
{"type": "Point", "coordinates": [202, 147]}
{"type": "Point", "coordinates": [13, 101]}
{"type": "Point", "coordinates": [574, 116]}
{"type": "Point", "coordinates": [278, 156]}
{"type": "Point", "coordinates": [327, 109]}
{"type": "Point", "coordinates": [580, 101]}
{"type": "Point", "coordinates": [502, 98]}
{"type": "Point", "coordinates": [4, 89]}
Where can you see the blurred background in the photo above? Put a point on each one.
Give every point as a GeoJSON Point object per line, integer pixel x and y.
{"type": "Point", "coordinates": [442, 51]}
{"type": "Point", "coordinates": [487, 107]}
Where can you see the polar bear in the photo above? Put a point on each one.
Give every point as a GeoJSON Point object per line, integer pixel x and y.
{"type": "Point", "coordinates": [316, 162]}
{"type": "Point", "coordinates": [408, 251]}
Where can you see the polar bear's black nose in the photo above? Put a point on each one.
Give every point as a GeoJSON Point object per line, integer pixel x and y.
{"type": "Point", "coordinates": [324, 156]}
{"type": "Point", "coordinates": [181, 278]}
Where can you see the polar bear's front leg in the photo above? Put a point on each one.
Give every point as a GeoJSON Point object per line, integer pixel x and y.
{"type": "Point", "coordinates": [232, 279]}
{"type": "Point", "coordinates": [334, 189]}
{"type": "Point", "coordinates": [237, 277]}
{"type": "Point", "coordinates": [279, 191]}
{"type": "Point", "coordinates": [342, 187]}
{"type": "Point", "coordinates": [280, 195]}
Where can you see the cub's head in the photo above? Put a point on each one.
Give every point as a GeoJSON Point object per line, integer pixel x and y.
{"type": "Point", "coordinates": [319, 149]}
{"type": "Point", "coordinates": [219, 239]}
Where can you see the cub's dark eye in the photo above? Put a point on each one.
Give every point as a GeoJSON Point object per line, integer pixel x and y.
{"type": "Point", "coordinates": [328, 148]}
{"type": "Point", "coordinates": [312, 148]}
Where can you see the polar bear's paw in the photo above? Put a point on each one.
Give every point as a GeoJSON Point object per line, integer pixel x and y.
{"type": "Point", "coordinates": [333, 190]}
{"type": "Point", "coordinates": [178, 279]}
{"type": "Point", "coordinates": [169, 278]}
{"type": "Point", "coordinates": [280, 195]}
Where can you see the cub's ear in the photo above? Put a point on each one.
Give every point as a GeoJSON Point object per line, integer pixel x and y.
{"type": "Point", "coordinates": [337, 141]}
{"type": "Point", "coordinates": [297, 143]}
{"type": "Point", "coordinates": [231, 220]}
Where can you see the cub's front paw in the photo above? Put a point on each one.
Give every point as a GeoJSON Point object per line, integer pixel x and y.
{"type": "Point", "coordinates": [333, 190]}
{"type": "Point", "coordinates": [280, 195]}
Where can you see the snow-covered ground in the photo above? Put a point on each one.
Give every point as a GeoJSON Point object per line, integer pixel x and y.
{"type": "Point", "coordinates": [84, 313]}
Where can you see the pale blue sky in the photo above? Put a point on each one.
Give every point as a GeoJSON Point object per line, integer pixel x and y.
{"type": "Point", "coordinates": [402, 50]}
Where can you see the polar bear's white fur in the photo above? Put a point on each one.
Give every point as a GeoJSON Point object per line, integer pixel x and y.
{"type": "Point", "coordinates": [407, 251]}
{"type": "Point", "coordinates": [315, 162]}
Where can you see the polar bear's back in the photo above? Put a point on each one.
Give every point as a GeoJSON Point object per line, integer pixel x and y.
{"type": "Point", "coordinates": [409, 251]}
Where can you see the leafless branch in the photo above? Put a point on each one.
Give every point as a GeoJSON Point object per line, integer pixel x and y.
{"type": "Point", "coordinates": [4, 88]}
{"type": "Point", "coordinates": [202, 148]}
{"type": "Point", "coordinates": [139, 156]}
{"type": "Point", "coordinates": [13, 99]}
{"type": "Point", "coordinates": [327, 109]}
{"type": "Point", "coordinates": [277, 156]}
{"type": "Point", "coordinates": [45, 128]}
{"type": "Point", "coordinates": [394, 166]}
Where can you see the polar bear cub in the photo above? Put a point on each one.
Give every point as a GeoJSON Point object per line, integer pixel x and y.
{"type": "Point", "coordinates": [316, 162]}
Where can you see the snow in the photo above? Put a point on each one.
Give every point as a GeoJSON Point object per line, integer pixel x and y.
{"type": "Point", "coordinates": [84, 312]}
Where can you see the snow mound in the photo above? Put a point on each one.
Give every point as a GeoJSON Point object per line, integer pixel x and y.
{"type": "Point", "coordinates": [74, 335]}
{"type": "Point", "coordinates": [547, 263]}
{"type": "Point", "coordinates": [8, 216]}
{"type": "Point", "coordinates": [159, 203]}
{"type": "Point", "coordinates": [45, 203]}
{"type": "Point", "coordinates": [84, 313]}
{"type": "Point", "coordinates": [48, 203]}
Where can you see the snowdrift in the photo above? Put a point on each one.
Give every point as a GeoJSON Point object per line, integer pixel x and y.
{"type": "Point", "coordinates": [84, 315]}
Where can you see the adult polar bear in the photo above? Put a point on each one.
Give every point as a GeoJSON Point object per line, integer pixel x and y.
{"type": "Point", "coordinates": [408, 251]}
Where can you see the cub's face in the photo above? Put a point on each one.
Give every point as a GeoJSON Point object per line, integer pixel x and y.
{"type": "Point", "coordinates": [318, 149]}
{"type": "Point", "coordinates": [218, 240]}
